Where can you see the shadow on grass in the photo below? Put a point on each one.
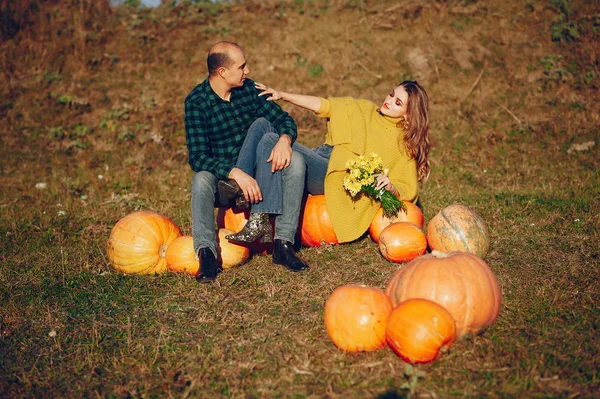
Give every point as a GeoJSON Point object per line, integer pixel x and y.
{"type": "Point", "coordinates": [392, 395]}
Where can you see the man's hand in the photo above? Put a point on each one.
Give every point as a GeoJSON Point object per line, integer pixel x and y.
{"type": "Point", "coordinates": [281, 155]}
{"type": "Point", "coordinates": [248, 185]}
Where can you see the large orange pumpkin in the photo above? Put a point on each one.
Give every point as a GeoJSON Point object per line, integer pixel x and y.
{"type": "Point", "coordinates": [418, 329]}
{"type": "Point", "coordinates": [458, 228]}
{"type": "Point", "coordinates": [459, 281]}
{"type": "Point", "coordinates": [315, 226]}
{"type": "Point", "coordinates": [356, 317]}
{"type": "Point", "coordinates": [138, 243]}
{"type": "Point", "coordinates": [412, 214]}
{"type": "Point", "coordinates": [402, 241]}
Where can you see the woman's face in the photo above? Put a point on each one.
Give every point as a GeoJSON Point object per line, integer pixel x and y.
{"type": "Point", "coordinates": [395, 104]}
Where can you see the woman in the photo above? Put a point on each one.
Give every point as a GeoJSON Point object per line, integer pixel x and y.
{"type": "Point", "coordinates": [397, 131]}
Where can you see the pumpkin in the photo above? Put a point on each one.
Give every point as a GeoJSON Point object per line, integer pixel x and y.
{"type": "Point", "coordinates": [138, 243]}
{"type": "Point", "coordinates": [235, 219]}
{"type": "Point", "coordinates": [458, 228]}
{"type": "Point", "coordinates": [181, 256]}
{"type": "Point", "coordinates": [412, 214]}
{"type": "Point", "coordinates": [402, 241]}
{"type": "Point", "coordinates": [356, 317]}
{"type": "Point", "coordinates": [315, 227]}
{"type": "Point", "coordinates": [230, 254]}
{"type": "Point", "coordinates": [418, 329]}
{"type": "Point", "coordinates": [459, 281]}
{"type": "Point", "coordinates": [232, 218]}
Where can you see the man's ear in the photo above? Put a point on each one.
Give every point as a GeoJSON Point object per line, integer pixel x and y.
{"type": "Point", "coordinates": [221, 71]}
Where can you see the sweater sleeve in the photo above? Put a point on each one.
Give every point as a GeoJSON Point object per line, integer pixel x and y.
{"type": "Point", "coordinates": [325, 109]}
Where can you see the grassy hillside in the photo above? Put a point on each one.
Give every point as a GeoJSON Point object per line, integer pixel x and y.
{"type": "Point", "coordinates": [91, 122]}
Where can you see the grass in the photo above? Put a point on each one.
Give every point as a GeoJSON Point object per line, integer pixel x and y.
{"type": "Point", "coordinates": [92, 106]}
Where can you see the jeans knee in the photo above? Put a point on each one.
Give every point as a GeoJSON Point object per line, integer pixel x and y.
{"type": "Point", "coordinates": [204, 182]}
{"type": "Point", "coordinates": [297, 168]}
{"type": "Point", "coordinates": [261, 125]}
{"type": "Point", "coordinates": [267, 142]}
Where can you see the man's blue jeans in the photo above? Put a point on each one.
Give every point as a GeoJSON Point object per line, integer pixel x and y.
{"type": "Point", "coordinates": [282, 190]}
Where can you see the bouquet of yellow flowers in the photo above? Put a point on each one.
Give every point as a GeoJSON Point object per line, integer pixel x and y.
{"type": "Point", "coordinates": [361, 178]}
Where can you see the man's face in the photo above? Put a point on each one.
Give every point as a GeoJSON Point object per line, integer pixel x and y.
{"type": "Point", "coordinates": [395, 104]}
{"type": "Point", "coordinates": [236, 73]}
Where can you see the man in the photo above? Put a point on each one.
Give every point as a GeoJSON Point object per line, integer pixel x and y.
{"type": "Point", "coordinates": [218, 114]}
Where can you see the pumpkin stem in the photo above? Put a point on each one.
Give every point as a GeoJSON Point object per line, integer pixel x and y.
{"type": "Point", "coordinates": [162, 251]}
{"type": "Point", "coordinates": [439, 254]}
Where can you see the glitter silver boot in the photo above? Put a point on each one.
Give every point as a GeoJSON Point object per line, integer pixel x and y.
{"type": "Point", "coordinates": [258, 227]}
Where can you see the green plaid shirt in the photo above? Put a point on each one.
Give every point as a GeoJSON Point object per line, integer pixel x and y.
{"type": "Point", "coordinates": [215, 129]}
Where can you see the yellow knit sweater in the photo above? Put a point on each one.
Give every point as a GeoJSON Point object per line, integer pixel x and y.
{"type": "Point", "coordinates": [356, 127]}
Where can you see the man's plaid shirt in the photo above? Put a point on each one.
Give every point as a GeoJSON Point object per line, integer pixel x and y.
{"type": "Point", "coordinates": [215, 129]}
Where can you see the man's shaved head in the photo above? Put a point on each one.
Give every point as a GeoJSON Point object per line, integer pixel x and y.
{"type": "Point", "coordinates": [219, 56]}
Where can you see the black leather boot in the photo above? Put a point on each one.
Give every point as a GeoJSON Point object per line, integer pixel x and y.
{"type": "Point", "coordinates": [283, 254]}
{"type": "Point", "coordinates": [209, 266]}
{"type": "Point", "coordinates": [229, 191]}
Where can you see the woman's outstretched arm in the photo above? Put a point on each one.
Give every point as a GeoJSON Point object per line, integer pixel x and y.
{"type": "Point", "coordinates": [309, 102]}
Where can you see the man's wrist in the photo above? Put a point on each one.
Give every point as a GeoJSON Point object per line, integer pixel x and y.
{"type": "Point", "coordinates": [287, 138]}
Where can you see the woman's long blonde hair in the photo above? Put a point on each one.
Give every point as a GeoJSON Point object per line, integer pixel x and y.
{"type": "Point", "coordinates": [416, 139]}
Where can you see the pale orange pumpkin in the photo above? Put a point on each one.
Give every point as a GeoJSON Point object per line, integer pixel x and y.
{"type": "Point", "coordinates": [138, 243]}
{"type": "Point", "coordinates": [458, 228]}
{"type": "Point", "coordinates": [315, 227]}
{"type": "Point", "coordinates": [356, 317]}
{"type": "Point", "coordinates": [230, 254]}
{"type": "Point", "coordinates": [181, 256]}
{"type": "Point", "coordinates": [459, 281]}
{"type": "Point", "coordinates": [418, 329]}
{"type": "Point", "coordinates": [412, 214]}
{"type": "Point", "coordinates": [402, 241]}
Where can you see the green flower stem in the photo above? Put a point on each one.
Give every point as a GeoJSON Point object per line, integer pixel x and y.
{"type": "Point", "coordinates": [389, 202]}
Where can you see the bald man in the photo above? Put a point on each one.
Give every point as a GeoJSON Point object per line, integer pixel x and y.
{"type": "Point", "coordinates": [231, 134]}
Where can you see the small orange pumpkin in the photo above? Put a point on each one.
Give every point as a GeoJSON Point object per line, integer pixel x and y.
{"type": "Point", "coordinates": [418, 329]}
{"type": "Point", "coordinates": [235, 219]}
{"type": "Point", "coordinates": [459, 281]}
{"type": "Point", "coordinates": [232, 218]}
{"type": "Point", "coordinates": [138, 243]}
{"type": "Point", "coordinates": [181, 256]}
{"type": "Point", "coordinates": [402, 241]}
{"type": "Point", "coordinates": [316, 228]}
{"type": "Point", "coordinates": [356, 317]}
{"type": "Point", "coordinates": [458, 228]}
{"type": "Point", "coordinates": [230, 254]}
{"type": "Point", "coordinates": [412, 214]}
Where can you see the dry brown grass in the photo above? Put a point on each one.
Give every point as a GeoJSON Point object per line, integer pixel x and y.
{"type": "Point", "coordinates": [89, 92]}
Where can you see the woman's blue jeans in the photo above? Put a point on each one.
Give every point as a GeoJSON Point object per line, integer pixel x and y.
{"type": "Point", "coordinates": [316, 160]}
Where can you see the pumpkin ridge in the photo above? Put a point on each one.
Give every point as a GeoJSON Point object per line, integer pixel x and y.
{"type": "Point", "coordinates": [137, 244]}
{"type": "Point", "coordinates": [459, 233]}
{"type": "Point", "coordinates": [467, 299]}
{"type": "Point", "coordinates": [482, 229]}
{"type": "Point", "coordinates": [147, 225]}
